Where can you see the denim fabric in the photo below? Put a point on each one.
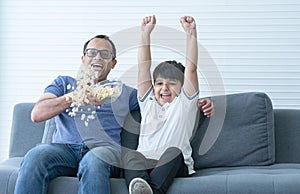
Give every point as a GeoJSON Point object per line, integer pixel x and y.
{"type": "Point", "coordinates": [47, 161]}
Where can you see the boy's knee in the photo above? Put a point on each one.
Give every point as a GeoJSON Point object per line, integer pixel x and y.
{"type": "Point", "coordinates": [173, 151]}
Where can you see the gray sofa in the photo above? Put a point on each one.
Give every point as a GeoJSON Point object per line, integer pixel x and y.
{"type": "Point", "coordinates": [247, 147]}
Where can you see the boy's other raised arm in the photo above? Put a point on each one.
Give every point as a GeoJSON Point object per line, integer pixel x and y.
{"type": "Point", "coordinates": [144, 55]}
{"type": "Point", "coordinates": [190, 76]}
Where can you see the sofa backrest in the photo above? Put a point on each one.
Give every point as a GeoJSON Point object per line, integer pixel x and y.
{"type": "Point", "coordinates": [287, 135]}
{"type": "Point", "coordinates": [25, 134]}
{"type": "Point", "coordinates": [241, 133]}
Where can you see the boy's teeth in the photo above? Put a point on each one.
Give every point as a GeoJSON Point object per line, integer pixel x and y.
{"type": "Point", "coordinates": [165, 96]}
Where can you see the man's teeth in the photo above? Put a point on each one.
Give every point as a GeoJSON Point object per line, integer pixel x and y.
{"type": "Point", "coordinates": [97, 65]}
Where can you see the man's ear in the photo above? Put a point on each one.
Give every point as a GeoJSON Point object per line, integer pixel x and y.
{"type": "Point", "coordinates": [114, 62]}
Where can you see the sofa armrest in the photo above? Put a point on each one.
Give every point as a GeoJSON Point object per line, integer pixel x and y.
{"type": "Point", "coordinates": [25, 134]}
{"type": "Point", "coordinates": [287, 135]}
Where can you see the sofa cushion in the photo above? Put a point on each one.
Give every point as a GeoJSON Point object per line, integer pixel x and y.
{"type": "Point", "coordinates": [9, 170]}
{"type": "Point", "coordinates": [271, 179]}
{"type": "Point", "coordinates": [22, 130]}
{"type": "Point", "coordinates": [240, 134]}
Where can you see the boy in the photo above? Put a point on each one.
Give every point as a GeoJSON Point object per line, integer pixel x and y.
{"type": "Point", "coordinates": [168, 116]}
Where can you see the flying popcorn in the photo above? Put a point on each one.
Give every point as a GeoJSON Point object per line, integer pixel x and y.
{"type": "Point", "coordinates": [105, 92]}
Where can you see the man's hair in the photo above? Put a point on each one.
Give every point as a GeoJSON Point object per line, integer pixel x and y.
{"type": "Point", "coordinates": [169, 70]}
{"type": "Point", "coordinates": [114, 50]}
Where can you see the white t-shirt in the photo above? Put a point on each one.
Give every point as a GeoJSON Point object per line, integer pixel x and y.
{"type": "Point", "coordinates": [167, 126]}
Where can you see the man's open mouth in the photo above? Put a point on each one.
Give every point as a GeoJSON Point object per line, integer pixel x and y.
{"type": "Point", "coordinates": [97, 67]}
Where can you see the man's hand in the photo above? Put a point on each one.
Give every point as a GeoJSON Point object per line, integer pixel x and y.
{"type": "Point", "coordinates": [206, 106]}
{"type": "Point", "coordinates": [69, 97]}
{"type": "Point", "coordinates": [93, 100]}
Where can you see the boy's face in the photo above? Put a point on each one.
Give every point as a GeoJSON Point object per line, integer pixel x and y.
{"type": "Point", "coordinates": [166, 90]}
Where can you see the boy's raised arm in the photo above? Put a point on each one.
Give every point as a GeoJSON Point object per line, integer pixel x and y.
{"type": "Point", "coordinates": [190, 76]}
{"type": "Point", "coordinates": [144, 56]}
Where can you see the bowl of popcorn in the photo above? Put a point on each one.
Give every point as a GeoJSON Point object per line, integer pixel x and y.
{"type": "Point", "coordinates": [108, 91]}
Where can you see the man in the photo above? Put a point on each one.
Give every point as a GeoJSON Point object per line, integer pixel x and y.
{"type": "Point", "coordinates": [92, 153]}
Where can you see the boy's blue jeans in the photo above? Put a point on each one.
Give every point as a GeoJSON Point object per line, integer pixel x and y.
{"type": "Point", "coordinates": [46, 161]}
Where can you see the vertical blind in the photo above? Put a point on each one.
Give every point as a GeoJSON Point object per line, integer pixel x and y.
{"type": "Point", "coordinates": [244, 45]}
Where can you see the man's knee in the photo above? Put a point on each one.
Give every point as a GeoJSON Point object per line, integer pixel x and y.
{"type": "Point", "coordinates": [101, 156]}
{"type": "Point", "coordinates": [36, 156]}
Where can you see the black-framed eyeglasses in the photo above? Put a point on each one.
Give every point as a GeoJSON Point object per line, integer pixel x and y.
{"type": "Point", "coordinates": [105, 54]}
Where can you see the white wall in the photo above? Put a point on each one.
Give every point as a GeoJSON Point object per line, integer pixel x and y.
{"type": "Point", "coordinates": [245, 45]}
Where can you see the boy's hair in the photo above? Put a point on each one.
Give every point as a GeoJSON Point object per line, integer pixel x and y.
{"type": "Point", "coordinates": [169, 70]}
{"type": "Point", "coordinates": [114, 50]}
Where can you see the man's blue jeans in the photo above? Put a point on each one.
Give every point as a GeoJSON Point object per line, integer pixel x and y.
{"type": "Point", "coordinates": [46, 161]}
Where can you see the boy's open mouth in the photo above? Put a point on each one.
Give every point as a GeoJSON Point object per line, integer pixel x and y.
{"type": "Point", "coordinates": [165, 96]}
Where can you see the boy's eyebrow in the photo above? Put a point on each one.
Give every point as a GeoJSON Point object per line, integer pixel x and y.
{"type": "Point", "coordinates": [167, 79]}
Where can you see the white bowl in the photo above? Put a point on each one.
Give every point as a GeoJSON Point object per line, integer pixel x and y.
{"type": "Point", "coordinates": [108, 91]}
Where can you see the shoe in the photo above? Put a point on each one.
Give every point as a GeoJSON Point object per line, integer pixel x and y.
{"type": "Point", "coordinates": [139, 186]}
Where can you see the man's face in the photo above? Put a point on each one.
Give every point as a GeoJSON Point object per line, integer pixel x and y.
{"type": "Point", "coordinates": [101, 65]}
{"type": "Point", "coordinates": [165, 90]}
